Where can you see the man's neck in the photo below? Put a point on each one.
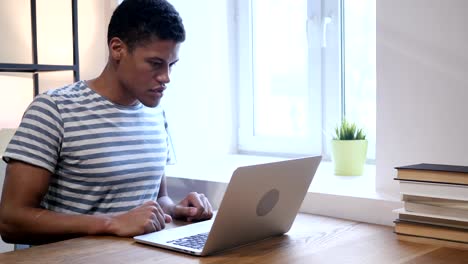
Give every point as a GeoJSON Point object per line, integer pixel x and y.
{"type": "Point", "coordinates": [108, 86]}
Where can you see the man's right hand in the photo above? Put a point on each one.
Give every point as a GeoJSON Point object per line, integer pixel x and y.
{"type": "Point", "coordinates": [147, 218]}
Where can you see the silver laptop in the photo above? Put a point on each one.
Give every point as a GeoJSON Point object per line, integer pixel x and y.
{"type": "Point", "coordinates": [260, 201]}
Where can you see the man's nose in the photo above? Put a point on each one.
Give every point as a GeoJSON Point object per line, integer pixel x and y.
{"type": "Point", "coordinates": [163, 76]}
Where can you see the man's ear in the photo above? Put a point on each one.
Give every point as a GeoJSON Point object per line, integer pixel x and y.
{"type": "Point", "coordinates": [117, 48]}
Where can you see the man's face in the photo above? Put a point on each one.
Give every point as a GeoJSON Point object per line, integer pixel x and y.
{"type": "Point", "coordinates": [143, 72]}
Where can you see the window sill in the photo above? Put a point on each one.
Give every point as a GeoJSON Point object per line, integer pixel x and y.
{"type": "Point", "coordinates": [349, 197]}
{"type": "Point", "coordinates": [220, 170]}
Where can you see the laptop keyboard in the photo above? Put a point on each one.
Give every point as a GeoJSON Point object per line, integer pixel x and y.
{"type": "Point", "coordinates": [195, 241]}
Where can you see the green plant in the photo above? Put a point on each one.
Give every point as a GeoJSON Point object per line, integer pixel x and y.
{"type": "Point", "coordinates": [348, 131]}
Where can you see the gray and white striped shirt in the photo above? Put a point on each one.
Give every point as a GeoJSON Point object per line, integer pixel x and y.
{"type": "Point", "coordinates": [104, 158]}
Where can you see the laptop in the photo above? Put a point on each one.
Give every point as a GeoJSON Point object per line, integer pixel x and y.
{"type": "Point", "coordinates": [260, 201]}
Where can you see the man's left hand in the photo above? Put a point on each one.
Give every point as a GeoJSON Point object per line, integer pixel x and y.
{"type": "Point", "coordinates": [194, 207]}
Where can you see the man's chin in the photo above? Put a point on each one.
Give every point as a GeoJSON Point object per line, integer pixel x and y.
{"type": "Point", "coordinates": [150, 103]}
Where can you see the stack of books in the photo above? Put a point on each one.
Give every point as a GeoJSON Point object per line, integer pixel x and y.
{"type": "Point", "coordinates": [435, 204]}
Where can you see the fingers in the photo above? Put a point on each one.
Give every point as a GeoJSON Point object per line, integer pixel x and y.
{"type": "Point", "coordinates": [159, 221]}
{"type": "Point", "coordinates": [203, 208]}
{"type": "Point", "coordinates": [182, 211]}
{"type": "Point", "coordinates": [151, 226]}
{"type": "Point", "coordinates": [146, 218]}
{"type": "Point", "coordinates": [208, 213]}
{"type": "Point", "coordinates": [167, 218]}
{"type": "Point", "coordinates": [195, 207]}
{"type": "Point", "coordinates": [157, 218]}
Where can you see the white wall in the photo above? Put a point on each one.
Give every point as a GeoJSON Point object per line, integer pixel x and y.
{"type": "Point", "coordinates": [200, 99]}
{"type": "Point", "coordinates": [422, 85]}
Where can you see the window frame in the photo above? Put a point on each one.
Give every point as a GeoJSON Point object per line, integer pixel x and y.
{"type": "Point", "coordinates": [323, 89]}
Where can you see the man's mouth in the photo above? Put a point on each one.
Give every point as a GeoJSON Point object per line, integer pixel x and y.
{"type": "Point", "coordinates": [158, 91]}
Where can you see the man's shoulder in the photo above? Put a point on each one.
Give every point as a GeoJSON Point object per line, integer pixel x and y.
{"type": "Point", "coordinates": [54, 97]}
{"type": "Point", "coordinates": [68, 91]}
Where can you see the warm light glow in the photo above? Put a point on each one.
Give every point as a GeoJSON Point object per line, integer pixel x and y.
{"type": "Point", "coordinates": [52, 80]}
{"type": "Point", "coordinates": [15, 31]}
{"type": "Point", "coordinates": [17, 94]}
{"type": "Point", "coordinates": [54, 32]}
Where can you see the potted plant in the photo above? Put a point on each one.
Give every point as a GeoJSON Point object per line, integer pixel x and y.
{"type": "Point", "coordinates": [349, 149]}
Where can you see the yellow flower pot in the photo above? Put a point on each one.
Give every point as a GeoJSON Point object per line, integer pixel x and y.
{"type": "Point", "coordinates": [349, 156]}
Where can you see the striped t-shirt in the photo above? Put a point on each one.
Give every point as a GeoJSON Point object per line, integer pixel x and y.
{"type": "Point", "coordinates": [104, 157]}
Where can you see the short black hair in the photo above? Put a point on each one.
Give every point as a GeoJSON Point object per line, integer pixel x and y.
{"type": "Point", "coordinates": [138, 21]}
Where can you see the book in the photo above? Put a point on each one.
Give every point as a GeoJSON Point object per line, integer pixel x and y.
{"type": "Point", "coordinates": [434, 190]}
{"type": "Point", "coordinates": [431, 231]}
{"type": "Point", "coordinates": [434, 173]}
{"type": "Point", "coordinates": [430, 209]}
{"type": "Point", "coordinates": [432, 241]}
{"type": "Point", "coordinates": [422, 218]}
{"type": "Point", "coordinates": [436, 206]}
{"type": "Point", "coordinates": [436, 201]}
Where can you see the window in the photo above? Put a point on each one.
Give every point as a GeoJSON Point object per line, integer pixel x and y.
{"type": "Point", "coordinates": [360, 66]}
{"type": "Point", "coordinates": [303, 65]}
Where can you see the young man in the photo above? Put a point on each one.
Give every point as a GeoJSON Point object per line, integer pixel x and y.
{"type": "Point", "coordinates": [89, 158]}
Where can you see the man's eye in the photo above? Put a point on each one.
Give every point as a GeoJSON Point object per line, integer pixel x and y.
{"type": "Point", "coordinates": [155, 63]}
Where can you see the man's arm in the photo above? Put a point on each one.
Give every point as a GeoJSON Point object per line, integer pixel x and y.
{"type": "Point", "coordinates": [23, 221]}
{"type": "Point", "coordinates": [195, 206]}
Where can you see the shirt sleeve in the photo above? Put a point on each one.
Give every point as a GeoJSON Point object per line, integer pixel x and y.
{"type": "Point", "coordinates": [171, 158]}
{"type": "Point", "coordinates": [38, 139]}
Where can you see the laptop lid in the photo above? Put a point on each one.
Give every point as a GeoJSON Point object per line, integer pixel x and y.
{"type": "Point", "coordinates": [260, 201]}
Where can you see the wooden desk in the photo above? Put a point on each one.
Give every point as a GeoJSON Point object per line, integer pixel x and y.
{"type": "Point", "coordinates": [312, 239]}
